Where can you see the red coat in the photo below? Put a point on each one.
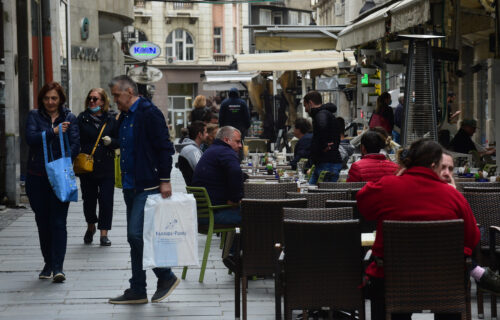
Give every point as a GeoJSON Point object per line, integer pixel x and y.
{"type": "Point", "coordinates": [371, 167]}
{"type": "Point", "coordinates": [417, 195]}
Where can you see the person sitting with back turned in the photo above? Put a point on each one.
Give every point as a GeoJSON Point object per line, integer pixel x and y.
{"type": "Point", "coordinates": [302, 149]}
{"type": "Point", "coordinates": [416, 195]}
{"type": "Point", "coordinates": [373, 165]}
{"type": "Point", "coordinates": [190, 149]}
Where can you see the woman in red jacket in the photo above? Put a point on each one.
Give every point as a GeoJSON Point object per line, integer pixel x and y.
{"type": "Point", "coordinates": [417, 195]}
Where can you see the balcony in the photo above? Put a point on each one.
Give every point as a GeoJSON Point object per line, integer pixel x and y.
{"type": "Point", "coordinates": [182, 5]}
{"type": "Point", "coordinates": [221, 58]}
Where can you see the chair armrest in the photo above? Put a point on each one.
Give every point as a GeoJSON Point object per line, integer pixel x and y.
{"type": "Point", "coordinates": [493, 244]}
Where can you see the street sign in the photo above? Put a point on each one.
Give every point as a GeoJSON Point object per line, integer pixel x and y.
{"type": "Point", "coordinates": [144, 50]}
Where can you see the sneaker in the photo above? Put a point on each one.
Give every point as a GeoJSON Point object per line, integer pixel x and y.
{"type": "Point", "coordinates": [490, 282]}
{"type": "Point", "coordinates": [59, 277]}
{"type": "Point", "coordinates": [165, 288]}
{"type": "Point", "coordinates": [46, 273]}
{"type": "Point", "coordinates": [105, 242]}
{"type": "Point", "coordinates": [130, 297]}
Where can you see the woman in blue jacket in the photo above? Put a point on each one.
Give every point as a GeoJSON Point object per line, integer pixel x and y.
{"type": "Point", "coordinates": [50, 212]}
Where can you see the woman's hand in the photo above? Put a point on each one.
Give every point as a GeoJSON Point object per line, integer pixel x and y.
{"type": "Point", "coordinates": [65, 126]}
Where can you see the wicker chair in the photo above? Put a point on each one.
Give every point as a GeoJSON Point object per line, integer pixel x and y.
{"type": "Point", "coordinates": [317, 200]}
{"type": "Point", "coordinates": [331, 253]}
{"type": "Point", "coordinates": [263, 177]}
{"type": "Point", "coordinates": [268, 191]}
{"type": "Point", "coordinates": [485, 206]}
{"type": "Point", "coordinates": [261, 229]}
{"type": "Point", "coordinates": [364, 225]}
{"type": "Point", "coordinates": [462, 185]}
{"type": "Point", "coordinates": [350, 192]}
{"type": "Point", "coordinates": [318, 214]}
{"type": "Point", "coordinates": [461, 180]}
{"type": "Point", "coordinates": [205, 209]}
{"type": "Point", "coordinates": [341, 185]}
{"type": "Point", "coordinates": [481, 189]}
{"type": "Point", "coordinates": [420, 275]}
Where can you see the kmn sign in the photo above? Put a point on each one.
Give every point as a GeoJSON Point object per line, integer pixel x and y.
{"type": "Point", "coordinates": [144, 50]}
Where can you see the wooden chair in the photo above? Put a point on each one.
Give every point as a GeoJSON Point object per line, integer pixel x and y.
{"type": "Point", "coordinates": [268, 191]}
{"type": "Point", "coordinates": [318, 200]}
{"type": "Point", "coordinates": [485, 206]}
{"type": "Point", "coordinates": [425, 268]}
{"type": "Point", "coordinates": [205, 209]}
{"type": "Point", "coordinates": [261, 228]}
{"type": "Point", "coordinates": [321, 266]}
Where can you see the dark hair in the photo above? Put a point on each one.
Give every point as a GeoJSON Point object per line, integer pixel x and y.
{"type": "Point", "coordinates": [195, 128]}
{"type": "Point", "coordinates": [303, 125]}
{"type": "Point", "coordinates": [314, 96]}
{"type": "Point", "coordinates": [46, 88]}
{"type": "Point", "coordinates": [423, 153]}
{"type": "Point", "coordinates": [372, 141]}
{"type": "Point", "coordinates": [381, 104]}
{"type": "Point", "coordinates": [383, 135]}
{"type": "Point", "coordinates": [341, 123]}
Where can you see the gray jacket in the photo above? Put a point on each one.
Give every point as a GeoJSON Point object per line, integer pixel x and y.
{"type": "Point", "coordinates": [190, 151]}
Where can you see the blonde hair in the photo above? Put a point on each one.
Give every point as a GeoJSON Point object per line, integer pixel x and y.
{"type": "Point", "coordinates": [104, 98]}
{"type": "Point", "coordinates": [200, 101]}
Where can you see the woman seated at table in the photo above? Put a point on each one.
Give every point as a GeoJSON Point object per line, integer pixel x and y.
{"type": "Point", "coordinates": [416, 195]}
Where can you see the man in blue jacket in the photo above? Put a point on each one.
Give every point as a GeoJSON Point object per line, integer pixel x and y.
{"type": "Point", "coordinates": [234, 112]}
{"type": "Point", "coordinates": [146, 162]}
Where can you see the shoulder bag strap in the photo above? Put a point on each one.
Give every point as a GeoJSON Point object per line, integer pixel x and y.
{"type": "Point", "coordinates": [44, 141]}
{"type": "Point", "coordinates": [98, 138]}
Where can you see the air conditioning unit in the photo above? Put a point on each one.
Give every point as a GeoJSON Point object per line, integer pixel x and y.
{"type": "Point", "coordinates": [170, 60]}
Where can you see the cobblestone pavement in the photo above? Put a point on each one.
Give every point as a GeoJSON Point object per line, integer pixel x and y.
{"type": "Point", "coordinates": [96, 273]}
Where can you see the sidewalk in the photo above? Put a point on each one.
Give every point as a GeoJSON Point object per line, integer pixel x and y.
{"type": "Point", "coordinates": [94, 274]}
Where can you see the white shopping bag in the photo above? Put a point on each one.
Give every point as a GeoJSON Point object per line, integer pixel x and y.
{"type": "Point", "coordinates": [170, 231]}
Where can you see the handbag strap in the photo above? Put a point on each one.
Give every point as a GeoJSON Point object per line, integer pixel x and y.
{"type": "Point", "coordinates": [63, 142]}
{"type": "Point", "coordinates": [44, 140]}
{"type": "Point", "coordinates": [98, 138]}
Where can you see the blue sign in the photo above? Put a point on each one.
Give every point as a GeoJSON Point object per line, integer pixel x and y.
{"type": "Point", "coordinates": [144, 50]}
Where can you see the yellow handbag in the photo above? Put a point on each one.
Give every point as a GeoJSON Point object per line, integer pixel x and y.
{"type": "Point", "coordinates": [84, 163]}
{"type": "Point", "coordinates": [118, 171]}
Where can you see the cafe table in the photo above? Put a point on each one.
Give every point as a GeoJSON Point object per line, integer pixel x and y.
{"type": "Point", "coordinates": [367, 239]}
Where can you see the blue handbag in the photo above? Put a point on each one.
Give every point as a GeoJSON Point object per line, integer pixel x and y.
{"type": "Point", "coordinates": [60, 171]}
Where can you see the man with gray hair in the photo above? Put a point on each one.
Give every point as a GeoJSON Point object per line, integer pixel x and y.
{"type": "Point", "coordinates": [146, 162]}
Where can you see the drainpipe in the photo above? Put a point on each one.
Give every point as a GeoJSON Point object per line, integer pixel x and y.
{"type": "Point", "coordinates": [46, 42]}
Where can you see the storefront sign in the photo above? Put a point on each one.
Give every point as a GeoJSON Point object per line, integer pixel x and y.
{"type": "Point", "coordinates": [144, 50]}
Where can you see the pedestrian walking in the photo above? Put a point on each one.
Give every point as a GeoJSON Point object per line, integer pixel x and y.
{"type": "Point", "coordinates": [50, 212]}
{"type": "Point", "coordinates": [98, 135]}
{"type": "Point", "coordinates": [146, 161]}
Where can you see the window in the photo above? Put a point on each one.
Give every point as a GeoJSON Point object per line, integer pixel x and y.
{"type": "Point", "coordinates": [306, 18]}
{"type": "Point", "coordinates": [180, 46]}
{"type": "Point", "coordinates": [293, 18]}
{"type": "Point", "coordinates": [277, 17]}
{"type": "Point", "coordinates": [218, 40]}
{"type": "Point", "coordinates": [265, 17]}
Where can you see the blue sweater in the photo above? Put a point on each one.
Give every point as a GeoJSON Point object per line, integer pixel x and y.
{"type": "Point", "coordinates": [219, 172]}
{"type": "Point", "coordinates": [152, 147]}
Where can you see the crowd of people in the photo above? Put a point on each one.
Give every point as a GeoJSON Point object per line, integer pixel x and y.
{"type": "Point", "coordinates": [420, 187]}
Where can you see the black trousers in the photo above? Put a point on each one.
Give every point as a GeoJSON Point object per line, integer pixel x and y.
{"type": "Point", "coordinates": [50, 216]}
{"type": "Point", "coordinates": [98, 190]}
{"type": "Point", "coordinates": [375, 291]}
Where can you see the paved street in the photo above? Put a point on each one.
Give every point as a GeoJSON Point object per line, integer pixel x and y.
{"type": "Point", "coordinates": [96, 273]}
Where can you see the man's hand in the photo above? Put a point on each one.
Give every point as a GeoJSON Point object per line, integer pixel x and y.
{"type": "Point", "coordinates": [165, 189]}
{"type": "Point", "coordinates": [328, 147]}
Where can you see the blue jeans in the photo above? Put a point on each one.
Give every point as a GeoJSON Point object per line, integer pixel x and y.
{"type": "Point", "coordinates": [396, 137]}
{"type": "Point", "coordinates": [225, 216]}
{"type": "Point", "coordinates": [50, 216]}
{"type": "Point", "coordinates": [135, 202]}
{"type": "Point", "coordinates": [334, 168]}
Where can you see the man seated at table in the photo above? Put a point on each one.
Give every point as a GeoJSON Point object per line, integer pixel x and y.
{"type": "Point", "coordinates": [190, 149]}
{"type": "Point", "coordinates": [372, 165]}
{"type": "Point", "coordinates": [416, 195]}
{"type": "Point", "coordinates": [302, 131]}
{"type": "Point", "coordinates": [462, 141]}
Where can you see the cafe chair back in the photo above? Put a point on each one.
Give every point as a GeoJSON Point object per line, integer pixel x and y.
{"type": "Point", "coordinates": [268, 191]}
{"type": "Point", "coordinates": [365, 226]}
{"type": "Point", "coordinates": [425, 268]}
{"type": "Point", "coordinates": [341, 185]}
{"type": "Point", "coordinates": [318, 200]}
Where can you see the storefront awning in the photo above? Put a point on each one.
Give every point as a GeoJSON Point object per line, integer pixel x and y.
{"type": "Point", "coordinates": [296, 60]}
{"type": "Point", "coordinates": [227, 79]}
{"type": "Point", "coordinates": [409, 13]}
{"type": "Point", "coordinates": [286, 38]}
{"type": "Point", "coordinates": [370, 28]}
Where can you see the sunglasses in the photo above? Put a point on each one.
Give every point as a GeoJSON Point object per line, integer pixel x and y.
{"type": "Point", "coordinates": [93, 99]}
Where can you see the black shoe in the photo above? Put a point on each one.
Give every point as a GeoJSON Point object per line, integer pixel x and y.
{"type": "Point", "coordinates": [489, 282]}
{"type": "Point", "coordinates": [59, 277]}
{"type": "Point", "coordinates": [230, 263]}
{"type": "Point", "coordinates": [129, 297]}
{"type": "Point", "coordinates": [89, 236]}
{"type": "Point", "coordinates": [165, 288]}
{"type": "Point", "coordinates": [46, 272]}
{"type": "Point", "coordinates": [105, 242]}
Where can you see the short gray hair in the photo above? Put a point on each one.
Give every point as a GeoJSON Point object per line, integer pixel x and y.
{"type": "Point", "coordinates": [226, 132]}
{"type": "Point", "coordinates": [124, 82]}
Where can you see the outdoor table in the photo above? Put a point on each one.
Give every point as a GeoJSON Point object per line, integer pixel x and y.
{"type": "Point", "coordinates": [367, 239]}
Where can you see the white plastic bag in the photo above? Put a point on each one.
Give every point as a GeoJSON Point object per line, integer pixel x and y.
{"type": "Point", "coordinates": [170, 231]}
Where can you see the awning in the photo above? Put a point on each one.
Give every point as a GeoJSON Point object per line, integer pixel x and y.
{"type": "Point", "coordinates": [370, 28]}
{"type": "Point", "coordinates": [409, 13]}
{"type": "Point", "coordinates": [286, 38]}
{"type": "Point", "coordinates": [227, 79]}
{"type": "Point", "coordinates": [222, 86]}
{"type": "Point", "coordinates": [296, 60]}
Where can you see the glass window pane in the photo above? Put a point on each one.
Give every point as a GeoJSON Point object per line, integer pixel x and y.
{"type": "Point", "coordinates": [178, 33]}
{"type": "Point", "coordinates": [189, 39]}
{"type": "Point", "coordinates": [169, 52]}
{"type": "Point", "coordinates": [217, 31]}
{"type": "Point", "coordinates": [179, 51]}
{"type": "Point", "coordinates": [217, 46]}
{"type": "Point", "coordinates": [169, 38]}
{"type": "Point", "coordinates": [189, 53]}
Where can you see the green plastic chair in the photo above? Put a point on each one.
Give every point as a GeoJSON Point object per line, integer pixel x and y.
{"type": "Point", "coordinates": [205, 209]}
{"type": "Point", "coordinates": [322, 175]}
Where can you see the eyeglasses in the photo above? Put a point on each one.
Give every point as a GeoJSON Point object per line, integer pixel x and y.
{"type": "Point", "coordinates": [93, 99]}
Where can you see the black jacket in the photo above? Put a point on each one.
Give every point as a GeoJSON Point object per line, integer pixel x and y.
{"type": "Point", "coordinates": [104, 155]}
{"type": "Point", "coordinates": [39, 121]}
{"type": "Point", "coordinates": [462, 142]}
{"type": "Point", "coordinates": [234, 112]}
{"type": "Point", "coordinates": [302, 149]}
{"type": "Point", "coordinates": [152, 147]}
{"type": "Point", "coordinates": [325, 130]}
{"type": "Point", "coordinates": [201, 114]}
